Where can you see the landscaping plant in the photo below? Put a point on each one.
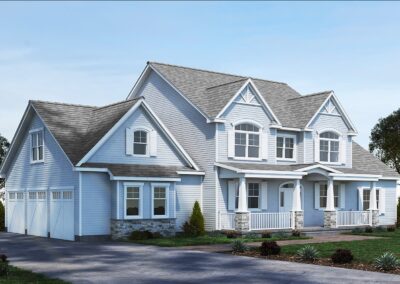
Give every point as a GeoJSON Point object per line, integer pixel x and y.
{"type": "Point", "coordinates": [369, 230]}
{"type": "Point", "coordinates": [238, 246]}
{"type": "Point", "coordinates": [296, 233]}
{"type": "Point", "coordinates": [4, 267]}
{"type": "Point", "coordinates": [195, 226]}
{"type": "Point", "coordinates": [231, 234]}
{"type": "Point", "coordinates": [391, 228]}
{"type": "Point", "coordinates": [269, 248]}
{"type": "Point", "coordinates": [308, 253]}
{"type": "Point", "coordinates": [398, 212]}
{"type": "Point", "coordinates": [1, 216]}
{"type": "Point", "coordinates": [265, 234]}
{"type": "Point", "coordinates": [341, 256]}
{"type": "Point", "coordinates": [140, 235]}
{"type": "Point", "coordinates": [387, 261]}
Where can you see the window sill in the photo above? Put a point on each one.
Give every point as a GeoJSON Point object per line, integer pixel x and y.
{"type": "Point", "coordinates": [285, 160]}
{"type": "Point", "coordinates": [133, 217]}
{"type": "Point", "coordinates": [332, 164]}
{"type": "Point", "coordinates": [246, 159]}
{"type": "Point", "coordinates": [140, 156]}
{"type": "Point", "coordinates": [160, 217]}
{"type": "Point", "coordinates": [37, 162]}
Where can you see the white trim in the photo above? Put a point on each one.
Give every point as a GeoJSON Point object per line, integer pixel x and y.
{"type": "Point", "coordinates": [217, 225]}
{"type": "Point", "coordinates": [147, 130]}
{"type": "Point", "coordinates": [138, 82]}
{"type": "Point", "coordinates": [84, 169]}
{"type": "Point", "coordinates": [61, 188]}
{"type": "Point", "coordinates": [318, 166]}
{"type": "Point", "coordinates": [134, 184]}
{"type": "Point", "coordinates": [249, 121]}
{"type": "Point", "coordinates": [286, 128]}
{"type": "Point", "coordinates": [260, 134]}
{"type": "Point", "coordinates": [167, 189]}
{"type": "Point", "coordinates": [145, 178]}
{"type": "Point", "coordinates": [118, 200]}
{"type": "Point", "coordinates": [80, 204]}
{"type": "Point", "coordinates": [285, 135]}
{"type": "Point", "coordinates": [390, 178]}
{"type": "Point", "coordinates": [191, 173]}
{"type": "Point", "coordinates": [39, 188]}
{"type": "Point", "coordinates": [31, 133]}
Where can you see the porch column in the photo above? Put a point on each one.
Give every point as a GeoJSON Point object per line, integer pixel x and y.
{"type": "Point", "coordinates": [373, 208]}
{"type": "Point", "coordinates": [242, 215]}
{"type": "Point", "coordinates": [330, 212]}
{"type": "Point", "coordinates": [298, 215]}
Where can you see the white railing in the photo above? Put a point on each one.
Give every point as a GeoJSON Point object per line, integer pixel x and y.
{"type": "Point", "coordinates": [227, 221]}
{"type": "Point", "coordinates": [266, 221]}
{"type": "Point", "coordinates": [353, 218]}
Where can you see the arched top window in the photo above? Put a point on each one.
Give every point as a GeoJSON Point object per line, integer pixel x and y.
{"type": "Point", "coordinates": [140, 142]}
{"type": "Point", "coordinates": [247, 141]}
{"type": "Point", "coordinates": [329, 147]}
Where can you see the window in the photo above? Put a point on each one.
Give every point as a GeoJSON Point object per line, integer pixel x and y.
{"type": "Point", "coordinates": [32, 195]}
{"type": "Point", "coordinates": [247, 141]}
{"type": "Point", "coordinates": [42, 195]}
{"type": "Point", "coordinates": [253, 195]}
{"type": "Point", "coordinates": [323, 195]}
{"type": "Point", "coordinates": [160, 200]}
{"type": "Point", "coordinates": [132, 200]}
{"type": "Point", "coordinates": [367, 196]}
{"type": "Point", "coordinates": [140, 142]}
{"type": "Point", "coordinates": [329, 147]}
{"type": "Point", "coordinates": [56, 194]}
{"type": "Point", "coordinates": [20, 195]}
{"type": "Point", "coordinates": [37, 146]}
{"type": "Point", "coordinates": [282, 199]}
{"type": "Point", "coordinates": [67, 194]}
{"type": "Point", "coordinates": [11, 195]}
{"type": "Point", "coordinates": [285, 147]}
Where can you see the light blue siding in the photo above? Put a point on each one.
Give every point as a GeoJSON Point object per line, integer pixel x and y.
{"type": "Point", "coordinates": [192, 131]}
{"type": "Point", "coordinates": [113, 150]}
{"type": "Point", "coordinates": [96, 203]}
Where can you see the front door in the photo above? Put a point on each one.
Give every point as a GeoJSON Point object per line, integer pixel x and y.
{"type": "Point", "coordinates": [285, 199]}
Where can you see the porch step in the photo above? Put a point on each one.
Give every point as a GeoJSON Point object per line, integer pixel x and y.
{"type": "Point", "coordinates": [318, 231]}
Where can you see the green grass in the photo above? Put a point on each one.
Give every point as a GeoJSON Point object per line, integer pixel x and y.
{"type": "Point", "coordinates": [17, 275]}
{"type": "Point", "coordinates": [204, 240]}
{"type": "Point", "coordinates": [364, 251]}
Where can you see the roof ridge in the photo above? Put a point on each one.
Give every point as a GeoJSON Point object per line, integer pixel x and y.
{"type": "Point", "coordinates": [216, 86]}
{"type": "Point", "coordinates": [117, 103]}
{"type": "Point", "coordinates": [310, 95]}
{"type": "Point", "coordinates": [215, 72]}
{"type": "Point", "coordinates": [59, 103]}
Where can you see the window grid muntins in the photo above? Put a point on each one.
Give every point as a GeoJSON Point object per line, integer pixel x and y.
{"type": "Point", "coordinates": [140, 142]}
{"type": "Point", "coordinates": [323, 195]}
{"type": "Point", "coordinates": [11, 195]}
{"type": "Point", "coordinates": [253, 195]}
{"type": "Point", "coordinates": [285, 147]}
{"type": "Point", "coordinates": [32, 195]}
{"type": "Point", "coordinates": [37, 146]}
{"type": "Point", "coordinates": [329, 147]}
{"type": "Point", "coordinates": [56, 195]}
{"type": "Point", "coordinates": [247, 141]}
{"type": "Point", "coordinates": [367, 196]}
{"type": "Point", "coordinates": [132, 201]}
{"type": "Point", "coordinates": [41, 195]}
{"type": "Point", "coordinates": [160, 201]}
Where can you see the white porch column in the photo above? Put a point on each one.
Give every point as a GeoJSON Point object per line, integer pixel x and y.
{"type": "Point", "coordinates": [372, 197]}
{"type": "Point", "coordinates": [296, 206]}
{"type": "Point", "coordinates": [242, 204]}
{"type": "Point", "coordinates": [330, 200]}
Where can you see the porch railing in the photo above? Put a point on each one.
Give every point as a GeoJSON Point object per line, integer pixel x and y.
{"type": "Point", "coordinates": [353, 218]}
{"type": "Point", "coordinates": [227, 221]}
{"type": "Point", "coordinates": [267, 221]}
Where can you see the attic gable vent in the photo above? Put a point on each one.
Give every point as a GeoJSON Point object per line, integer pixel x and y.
{"type": "Point", "coordinates": [247, 96]}
{"type": "Point", "coordinates": [330, 108]}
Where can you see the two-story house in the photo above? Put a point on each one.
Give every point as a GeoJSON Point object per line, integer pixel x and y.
{"type": "Point", "coordinates": [256, 154]}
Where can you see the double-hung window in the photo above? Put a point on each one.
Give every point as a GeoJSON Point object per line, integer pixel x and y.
{"type": "Point", "coordinates": [133, 200]}
{"type": "Point", "coordinates": [253, 194]}
{"type": "Point", "coordinates": [329, 147]}
{"type": "Point", "coordinates": [285, 147]}
{"type": "Point", "coordinates": [37, 146]}
{"type": "Point", "coordinates": [140, 140]}
{"type": "Point", "coordinates": [366, 198]}
{"type": "Point", "coordinates": [247, 141]}
{"type": "Point", "coordinates": [323, 195]}
{"type": "Point", "coordinates": [160, 200]}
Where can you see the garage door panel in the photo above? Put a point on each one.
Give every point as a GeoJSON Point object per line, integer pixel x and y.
{"type": "Point", "coordinates": [37, 213]}
{"type": "Point", "coordinates": [62, 215]}
{"type": "Point", "coordinates": [16, 212]}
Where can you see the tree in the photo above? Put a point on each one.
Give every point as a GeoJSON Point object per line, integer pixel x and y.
{"type": "Point", "coordinates": [195, 226]}
{"type": "Point", "coordinates": [4, 145]}
{"type": "Point", "coordinates": [385, 140]}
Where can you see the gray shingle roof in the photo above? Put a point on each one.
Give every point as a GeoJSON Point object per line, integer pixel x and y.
{"type": "Point", "coordinates": [78, 128]}
{"type": "Point", "coordinates": [130, 170]}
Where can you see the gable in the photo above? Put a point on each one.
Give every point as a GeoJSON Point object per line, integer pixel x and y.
{"type": "Point", "coordinates": [247, 96]}
{"type": "Point", "coordinates": [330, 108]}
{"type": "Point", "coordinates": [113, 150]}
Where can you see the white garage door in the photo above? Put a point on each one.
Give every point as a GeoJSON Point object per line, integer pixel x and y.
{"type": "Point", "coordinates": [62, 215]}
{"type": "Point", "coordinates": [16, 212]}
{"type": "Point", "coordinates": [37, 213]}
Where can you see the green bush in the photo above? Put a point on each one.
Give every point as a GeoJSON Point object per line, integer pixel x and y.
{"type": "Point", "coordinates": [265, 234]}
{"type": "Point", "coordinates": [1, 216]}
{"type": "Point", "coordinates": [387, 261]}
{"type": "Point", "coordinates": [140, 235]}
{"type": "Point", "coordinates": [369, 230]}
{"type": "Point", "coordinates": [269, 248]}
{"type": "Point", "coordinates": [195, 226]}
{"type": "Point", "coordinates": [231, 234]}
{"type": "Point", "coordinates": [4, 267]}
{"type": "Point", "coordinates": [238, 246]}
{"type": "Point", "coordinates": [296, 233]}
{"type": "Point", "coordinates": [280, 235]}
{"type": "Point", "coordinates": [357, 231]}
{"type": "Point", "coordinates": [398, 212]}
{"type": "Point", "coordinates": [380, 229]}
{"type": "Point", "coordinates": [342, 256]}
{"type": "Point", "coordinates": [308, 253]}
{"type": "Point", "coordinates": [391, 228]}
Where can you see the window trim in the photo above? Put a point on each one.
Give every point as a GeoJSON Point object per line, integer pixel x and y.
{"type": "Point", "coordinates": [259, 196]}
{"type": "Point", "coordinates": [259, 133]}
{"type": "Point", "coordinates": [31, 133]}
{"type": "Point", "coordinates": [329, 146]}
{"type": "Point", "coordinates": [167, 189]}
{"type": "Point", "coordinates": [377, 197]}
{"type": "Point", "coordinates": [134, 184]}
{"type": "Point", "coordinates": [147, 130]}
{"type": "Point", "coordinates": [338, 196]}
{"type": "Point", "coordinates": [294, 159]}
{"type": "Point", "coordinates": [281, 188]}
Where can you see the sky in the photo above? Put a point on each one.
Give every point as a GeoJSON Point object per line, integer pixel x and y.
{"type": "Point", "coordinates": [93, 52]}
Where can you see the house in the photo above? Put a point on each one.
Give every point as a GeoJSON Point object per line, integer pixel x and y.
{"type": "Point", "coordinates": [255, 153]}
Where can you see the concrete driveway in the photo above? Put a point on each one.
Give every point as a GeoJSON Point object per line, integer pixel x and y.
{"type": "Point", "coordinates": [108, 262]}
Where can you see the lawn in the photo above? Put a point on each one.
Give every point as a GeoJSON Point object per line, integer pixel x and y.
{"type": "Point", "coordinates": [17, 275]}
{"type": "Point", "coordinates": [205, 240]}
{"type": "Point", "coordinates": [364, 251]}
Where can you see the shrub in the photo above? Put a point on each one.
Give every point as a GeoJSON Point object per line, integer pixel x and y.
{"type": "Point", "coordinates": [296, 233]}
{"type": "Point", "coordinates": [308, 253]}
{"type": "Point", "coordinates": [4, 268]}
{"type": "Point", "coordinates": [280, 235]}
{"type": "Point", "coordinates": [387, 261]}
{"type": "Point", "coordinates": [140, 235]}
{"type": "Point", "coordinates": [342, 256]}
{"type": "Point", "coordinates": [195, 226]}
{"type": "Point", "coordinates": [391, 228]}
{"type": "Point", "coordinates": [265, 234]}
{"type": "Point", "coordinates": [269, 248]}
{"type": "Point", "coordinates": [398, 212]}
{"type": "Point", "coordinates": [1, 216]}
{"type": "Point", "coordinates": [157, 235]}
{"type": "Point", "coordinates": [215, 234]}
{"type": "Point", "coordinates": [380, 229]}
{"type": "Point", "coordinates": [238, 246]}
{"type": "Point", "coordinates": [357, 231]}
{"type": "Point", "coordinates": [369, 230]}
{"type": "Point", "coordinates": [252, 236]}
{"type": "Point", "coordinates": [231, 234]}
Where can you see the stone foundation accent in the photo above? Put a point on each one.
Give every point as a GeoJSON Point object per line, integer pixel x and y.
{"type": "Point", "coordinates": [298, 219]}
{"type": "Point", "coordinates": [242, 221]}
{"type": "Point", "coordinates": [375, 218]}
{"type": "Point", "coordinates": [121, 229]}
{"type": "Point", "coordinates": [330, 219]}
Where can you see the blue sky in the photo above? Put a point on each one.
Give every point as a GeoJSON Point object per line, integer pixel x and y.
{"type": "Point", "coordinates": [92, 53]}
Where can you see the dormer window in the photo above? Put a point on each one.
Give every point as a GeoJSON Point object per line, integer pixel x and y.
{"type": "Point", "coordinates": [37, 153]}
{"type": "Point", "coordinates": [140, 142]}
{"type": "Point", "coordinates": [247, 141]}
{"type": "Point", "coordinates": [329, 147]}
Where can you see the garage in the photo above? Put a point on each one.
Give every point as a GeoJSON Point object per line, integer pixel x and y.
{"type": "Point", "coordinates": [62, 214]}
{"type": "Point", "coordinates": [16, 212]}
{"type": "Point", "coordinates": [37, 213]}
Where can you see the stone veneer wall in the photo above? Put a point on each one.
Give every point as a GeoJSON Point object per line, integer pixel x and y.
{"type": "Point", "coordinates": [299, 219]}
{"type": "Point", "coordinates": [121, 229]}
{"type": "Point", "coordinates": [242, 221]}
{"type": "Point", "coordinates": [330, 219]}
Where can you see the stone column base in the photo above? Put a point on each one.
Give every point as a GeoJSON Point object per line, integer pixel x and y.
{"type": "Point", "coordinates": [375, 218]}
{"type": "Point", "coordinates": [242, 221]}
{"type": "Point", "coordinates": [330, 219]}
{"type": "Point", "coordinates": [298, 219]}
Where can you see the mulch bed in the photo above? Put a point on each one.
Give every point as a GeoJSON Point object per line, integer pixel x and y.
{"type": "Point", "coordinates": [320, 261]}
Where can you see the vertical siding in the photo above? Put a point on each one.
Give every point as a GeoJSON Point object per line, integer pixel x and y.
{"type": "Point", "coordinates": [96, 203]}
{"type": "Point", "coordinates": [113, 150]}
{"type": "Point", "coordinates": [191, 130]}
